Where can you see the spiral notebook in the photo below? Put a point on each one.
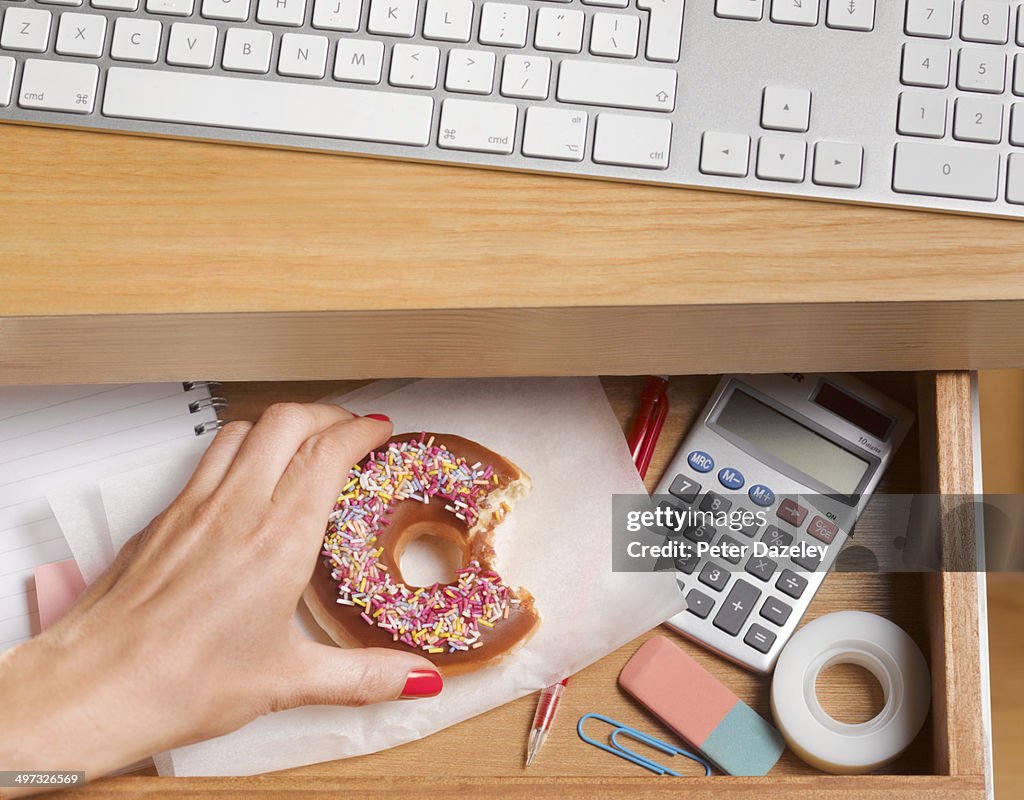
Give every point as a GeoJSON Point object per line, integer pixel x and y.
{"type": "Point", "coordinates": [58, 436]}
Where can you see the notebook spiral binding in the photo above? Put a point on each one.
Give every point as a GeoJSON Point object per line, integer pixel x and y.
{"type": "Point", "coordinates": [210, 402]}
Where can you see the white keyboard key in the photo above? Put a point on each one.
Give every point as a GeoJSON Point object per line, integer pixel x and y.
{"type": "Point", "coordinates": [1018, 74]}
{"type": "Point", "coordinates": [526, 76]}
{"type": "Point", "coordinates": [932, 18]}
{"type": "Point", "coordinates": [985, 21]}
{"type": "Point", "coordinates": [233, 10]}
{"type": "Point", "coordinates": [1020, 27]}
{"type": "Point", "coordinates": [136, 39]}
{"type": "Point", "coordinates": [448, 20]}
{"type": "Point", "coordinates": [26, 29]}
{"type": "Point", "coordinates": [302, 56]}
{"type": "Point", "coordinates": [414, 66]}
{"type": "Point", "coordinates": [174, 8]}
{"type": "Point", "coordinates": [784, 109]}
{"type": "Point", "coordinates": [607, 3]}
{"type": "Point", "coordinates": [978, 119]}
{"type": "Point", "coordinates": [337, 15]}
{"type": "Point", "coordinates": [739, 9]}
{"type": "Point", "coordinates": [1015, 179]}
{"type": "Point", "coordinates": [1016, 123]}
{"type": "Point", "coordinates": [81, 35]}
{"type": "Point", "coordinates": [60, 2]}
{"type": "Point", "coordinates": [116, 5]}
{"type": "Point", "coordinates": [58, 85]}
{"type": "Point", "coordinates": [602, 83]}
{"type": "Point", "coordinates": [358, 61]}
{"type": "Point", "coordinates": [559, 29]}
{"type": "Point", "coordinates": [664, 28]}
{"type": "Point", "coordinates": [796, 12]}
{"type": "Point", "coordinates": [6, 80]}
{"type": "Point", "coordinates": [838, 164]}
{"type": "Point", "coordinates": [477, 125]}
{"type": "Point", "coordinates": [191, 45]}
{"type": "Point", "coordinates": [725, 154]}
{"type": "Point", "coordinates": [281, 12]}
{"type": "Point", "coordinates": [922, 114]}
{"type": "Point", "coordinates": [925, 64]}
{"type": "Point", "coordinates": [981, 70]}
{"type": "Point", "coordinates": [504, 24]}
{"type": "Point", "coordinates": [301, 108]}
{"type": "Point", "coordinates": [970, 173]}
{"type": "Point", "coordinates": [780, 159]}
{"type": "Point", "coordinates": [851, 15]}
{"type": "Point", "coordinates": [632, 141]}
{"type": "Point", "coordinates": [470, 71]}
{"type": "Point", "coordinates": [555, 133]}
{"type": "Point", "coordinates": [393, 17]}
{"type": "Point", "coordinates": [614, 35]}
{"type": "Point", "coordinates": [247, 50]}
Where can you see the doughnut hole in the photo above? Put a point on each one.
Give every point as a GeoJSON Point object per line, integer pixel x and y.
{"type": "Point", "coordinates": [430, 554]}
{"type": "Point", "coordinates": [849, 693]}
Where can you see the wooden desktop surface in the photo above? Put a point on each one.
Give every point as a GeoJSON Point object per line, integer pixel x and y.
{"type": "Point", "coordinates": [127, 258]}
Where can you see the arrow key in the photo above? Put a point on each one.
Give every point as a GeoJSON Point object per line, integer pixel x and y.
{"type": "Point", "coordinates": [838, 164]}
{"type": "Point", "coordinates": [725, 154]}
{"type": "Point", "coordinates": [781, 159]}
{"type": "Point", "coordinates": [785, 109]}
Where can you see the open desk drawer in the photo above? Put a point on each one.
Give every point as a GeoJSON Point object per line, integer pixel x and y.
{"type": "Point", "coordinates": [944, 613]}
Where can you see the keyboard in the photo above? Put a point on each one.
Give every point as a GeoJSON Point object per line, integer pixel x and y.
{"type": "Point", "coordinates": [916, 103]}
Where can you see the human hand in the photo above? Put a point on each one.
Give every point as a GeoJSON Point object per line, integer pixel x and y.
{"type": "Point", "coordinates": [189, 634]}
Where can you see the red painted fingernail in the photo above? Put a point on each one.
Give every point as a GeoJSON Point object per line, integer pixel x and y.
{"type": "Point", "coordinates": [379, 417]}
{"type": "Point", "coordinates": [422, 683]}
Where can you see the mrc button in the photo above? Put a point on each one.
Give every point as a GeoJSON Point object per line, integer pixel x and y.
{"type": "Point", "coordinates": [700, 461]}
{"type": "Point", "coordinates": [730, 478]}
{"type": "Point", "coordinates": [761, 494]}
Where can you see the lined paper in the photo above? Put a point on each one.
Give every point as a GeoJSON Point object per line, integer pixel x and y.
{"type": "Point", "coordinates": [61, 436]}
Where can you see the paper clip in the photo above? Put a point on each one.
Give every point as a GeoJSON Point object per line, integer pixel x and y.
{"type": "Point", "coordinates": [618, 749]}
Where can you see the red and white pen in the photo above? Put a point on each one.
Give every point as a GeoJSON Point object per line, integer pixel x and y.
{"type": "Point", "coordinates": [547, 706]}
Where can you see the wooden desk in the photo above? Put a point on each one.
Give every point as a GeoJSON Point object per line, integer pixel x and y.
{"type": "Point", "coordinates": [125, 258]}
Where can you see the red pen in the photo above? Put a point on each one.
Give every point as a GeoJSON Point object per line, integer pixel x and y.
{"type": "Point", "coordinates": [643, 436]}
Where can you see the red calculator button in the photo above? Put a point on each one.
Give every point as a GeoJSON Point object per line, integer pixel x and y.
{"type": "Point", "coordinates": [823, 530]}
{"type": "Point", "coordinates": [790, 512]}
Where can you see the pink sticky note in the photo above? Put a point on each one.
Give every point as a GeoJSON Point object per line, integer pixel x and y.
{"type": "Point", "coordinates": [58, 586]}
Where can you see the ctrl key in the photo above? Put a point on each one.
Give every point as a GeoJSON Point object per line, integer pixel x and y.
{"type": "Point", "coordinates": [632, 141]}
{"type": "Point", "coordinates": [58, 86]}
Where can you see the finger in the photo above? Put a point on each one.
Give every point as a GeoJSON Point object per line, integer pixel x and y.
{"type": "Point", "coordinates": [273, 441]}
{"type": "Point", "coordinates": [310, 485]}
{"type": "Point", "coordinates": [215, 463]}
{"type": "Point", "coordinates": [326, 675]}
{"type": "Point", "coordinates": [99, 588]}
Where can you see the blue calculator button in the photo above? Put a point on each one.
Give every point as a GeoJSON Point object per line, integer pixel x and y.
{"type": "Point", "coordinates": [700, 461]}
{"type": "Point", "coordinates": [761, 494]}
{"type": "Point", "coordinates": [730, 478]}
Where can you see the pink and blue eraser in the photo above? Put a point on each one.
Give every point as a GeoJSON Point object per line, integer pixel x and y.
{"type": "Point", "coordinates": [700, 709]}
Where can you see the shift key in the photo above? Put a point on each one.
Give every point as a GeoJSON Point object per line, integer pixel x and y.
{"type": "Point", "coordinates": [595, 83]}
{"type": "Point", "coordinates": [943, 171]}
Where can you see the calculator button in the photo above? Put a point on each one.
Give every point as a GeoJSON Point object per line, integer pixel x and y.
{"type": "Point", "coordinates": [715, 503]}
{"type": "Point", "coordinates": [753, 527]}
{"type": "Point", "coordinates": [761, 495]}
{"type": "Point", "coordinates": [776, 537]}
{"type": "Point", "coordinates": [791, 583]}
{"type": "Point", "coordinates": [714, 576]}
{"type": "Point", "coordinates": [699, 603]}
{"type": "Point", "coordinates": [774, 610]}
{"type": "Point", "coordinates": [700, 461]}
{"type": "Point", "coordinates": [808, 562]}
{"type": "Point", "coordinates": [730, 478]}
{"type": "Point", "coordinates": [789, 511]}
{"type": "Point", "coordinates": [700, 533]}
{"type": "Point", "coordinates": [761, 639]}
{"type": "Point", "coordinates": [823, 530]}
{"type": "Point", "coordinates": [761, 567]}
{"type": "Point", "coordinates": [728, 541]}
{"type": "Point", "coordinates": [737, 607]}
{"type": "Point", "coordinates": [688, 563]}
{"type": "Point", "coordinates": [685, 489]}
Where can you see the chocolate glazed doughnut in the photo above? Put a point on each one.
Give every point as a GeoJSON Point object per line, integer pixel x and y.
{"type": "Point", "coordinates": [423, 484]}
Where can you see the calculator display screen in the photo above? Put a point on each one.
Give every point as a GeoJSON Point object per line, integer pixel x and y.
{"type": "Point", "coordinates": [788, 440]}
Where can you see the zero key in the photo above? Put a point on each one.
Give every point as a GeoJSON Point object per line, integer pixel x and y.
{"type": "Point", "coordinates": [970, 173]}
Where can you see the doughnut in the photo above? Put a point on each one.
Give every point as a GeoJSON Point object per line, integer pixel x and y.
{"type": "Point", "coordinates": [423, 484]}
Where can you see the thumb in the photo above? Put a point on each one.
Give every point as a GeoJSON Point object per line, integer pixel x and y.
{"type": "Point", "coordinates": [326, 675]}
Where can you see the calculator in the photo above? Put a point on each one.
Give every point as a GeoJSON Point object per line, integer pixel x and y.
{"type": "Point", "coordinates": [781, 466]}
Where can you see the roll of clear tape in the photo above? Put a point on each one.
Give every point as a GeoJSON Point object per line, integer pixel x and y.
{"type": "Point", "coordinates": [877, 645]}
